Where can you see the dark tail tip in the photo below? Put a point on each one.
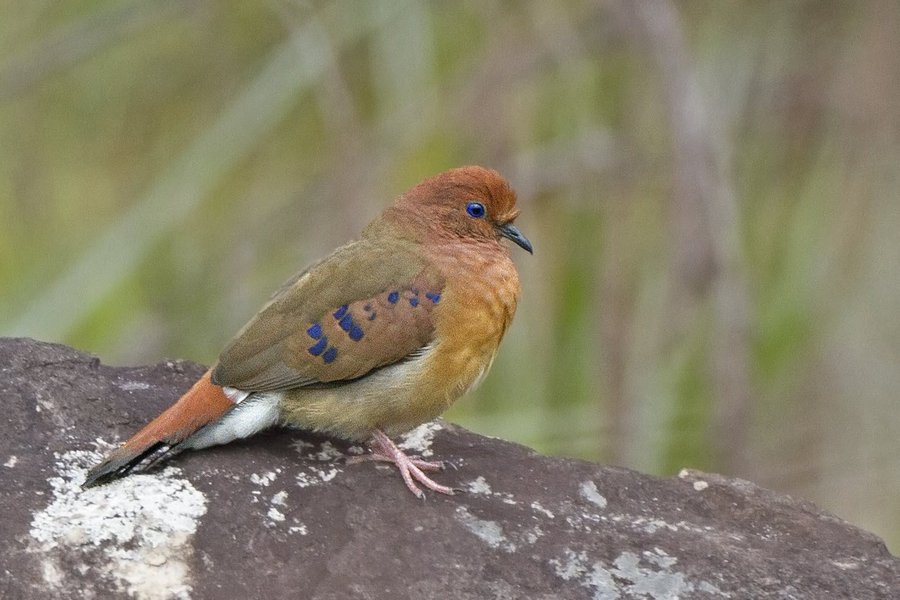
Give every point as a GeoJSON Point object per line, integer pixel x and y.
{"type": "Point", "coordinates": [119, 463]}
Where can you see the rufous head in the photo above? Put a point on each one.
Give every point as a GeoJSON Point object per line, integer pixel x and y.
{"type": "Point", "coordinates": [471, 203]}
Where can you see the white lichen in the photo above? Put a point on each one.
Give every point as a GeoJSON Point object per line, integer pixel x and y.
{"type": "Point", "coordinates": [419, 439]}
{"type": "Point", "coordinates": [489, 532]}
{"type": "Point", "coordinates": [590, 493]}
{"type": "Point", "coordinates": [264, 480]}
{"type": "Point", "coordinates": [628, 578]}
{"type": "Point", "coordinates": [536, 506]}
{"type": "Point", "coordinates": [302, 446]}
{"type": "Point", "coordinates": [323, 452]}
{"type": "Point", "coordinates": [534, 534]}
{"type": "Point", "coordinates": [327, 453]}
{"type": "Point", "coordinates": [479, 486]}
{"type": "Point", "coordinates": [130, 386]}
{"type": "Point", "coordinates": [314, 476]}
{"type": "Point", "coordinates": [142, 524]}
{"type": "Point", "coordinates": [326, 475]}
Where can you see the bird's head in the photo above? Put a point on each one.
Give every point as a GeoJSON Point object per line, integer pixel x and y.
{"type": "Point", "coordinates": [470, 203]}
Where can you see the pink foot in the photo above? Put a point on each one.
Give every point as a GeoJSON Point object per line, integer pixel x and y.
{"type": "Point", "coordinates": [412, 468]}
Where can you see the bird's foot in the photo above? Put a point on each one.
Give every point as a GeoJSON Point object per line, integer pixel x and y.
{"type": "Point", "coordinates": [412, 468]}
{"type": "Point", "coordinates": [418, 461]}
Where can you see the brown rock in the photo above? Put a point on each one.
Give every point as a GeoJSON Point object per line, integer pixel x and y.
{"type": "Point", "coordinates": [280, 516]}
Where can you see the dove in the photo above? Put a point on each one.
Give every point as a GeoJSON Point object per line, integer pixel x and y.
{"type": "Point", "coordinates": [382, 335]}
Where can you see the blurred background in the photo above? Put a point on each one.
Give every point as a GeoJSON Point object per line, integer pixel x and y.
{"type": "Point", "coordinates": [711, 189]}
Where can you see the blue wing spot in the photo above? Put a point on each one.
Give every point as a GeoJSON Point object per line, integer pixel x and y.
{"type": "Point", "coordinates": [413, 301]}
{"type": "Point", "coordinates": [315, 331]}
{"type": "Point", "coordinates": [330, 355]}
{"type": "Point", "coordinates": [346, 323]}
{"type": "Point", "coordinates": [433, 296]}
{"type": "Point", "coordinates": [319, 346]}
{"type": "Point", "coordinates": [367, 307]}
{"type": "Point", "coordinates": [372, 316]}
{"type": "Point", "coordinates": [415, 291]}
{"type": "Point", "coordinates": [393, 297]}
{"type": "Point", "coordinates": [340, 312]}
{"type": "Point", "coordinates": [356, 332]}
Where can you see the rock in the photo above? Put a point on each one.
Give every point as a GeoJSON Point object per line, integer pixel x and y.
{"type": "Point", "coordinates": [281, 515]}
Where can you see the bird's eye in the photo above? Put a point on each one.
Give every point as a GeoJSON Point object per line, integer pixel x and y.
{"type": "Point", "coordinates": [475, 210]}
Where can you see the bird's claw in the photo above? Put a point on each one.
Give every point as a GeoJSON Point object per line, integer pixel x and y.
{"type": "Point", "coordinates": [412, 468]}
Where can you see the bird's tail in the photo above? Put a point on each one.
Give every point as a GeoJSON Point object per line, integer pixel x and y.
{"type": "Point", "coordinates": [204, 403]}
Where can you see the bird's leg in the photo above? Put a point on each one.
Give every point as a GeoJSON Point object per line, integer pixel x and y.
{"type": "Point", "coordinates": [378, 454]}
{"type": "Point", "coordinates": [411, 469]}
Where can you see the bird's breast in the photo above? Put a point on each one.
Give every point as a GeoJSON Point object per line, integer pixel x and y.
{"type": "Point", "coordinates": [477, 305]}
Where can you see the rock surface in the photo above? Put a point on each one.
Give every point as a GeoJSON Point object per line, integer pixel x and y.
{"type": "Point", "coordinates": [281, 515]}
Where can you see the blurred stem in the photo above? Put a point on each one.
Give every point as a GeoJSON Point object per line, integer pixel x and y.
{"type": "Point", "coordinates": [293, 68]}
{"type": "Point", "coordinates": [73, 42]}
{"type": "Point", "coordinates": [707, 229]}
{"type": "Point", "coordinates": [616, 323]}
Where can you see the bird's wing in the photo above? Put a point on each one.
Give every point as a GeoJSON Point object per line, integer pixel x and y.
{"type": "Point", "coordinates": [362, 308]}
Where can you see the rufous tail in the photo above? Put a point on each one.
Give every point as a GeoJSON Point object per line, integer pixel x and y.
{"type": "Point", "coordinates": [204, 403]}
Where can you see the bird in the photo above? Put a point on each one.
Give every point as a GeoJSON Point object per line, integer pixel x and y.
{"type": "Point", "coordinates": [382, 335]}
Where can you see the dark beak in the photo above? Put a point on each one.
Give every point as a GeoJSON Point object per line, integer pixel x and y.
{"type": "Point", "coordinates": [511, 232]}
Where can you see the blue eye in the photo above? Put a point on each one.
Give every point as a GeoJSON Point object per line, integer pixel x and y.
{"type": "Point", "coordinates": [475, 210]}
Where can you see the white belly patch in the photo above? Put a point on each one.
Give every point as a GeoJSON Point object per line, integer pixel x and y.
{"type": "Point", "coordinates": [252, 413]}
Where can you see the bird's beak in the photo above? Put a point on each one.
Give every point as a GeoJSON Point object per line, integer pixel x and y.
{"type": "Point", "coordinates": [511, 232]}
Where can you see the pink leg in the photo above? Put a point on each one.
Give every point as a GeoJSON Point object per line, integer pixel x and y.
{"type": "Point", "coordinates": [424, 465]}
{"type": "Point", "coordinates": [411, 468]}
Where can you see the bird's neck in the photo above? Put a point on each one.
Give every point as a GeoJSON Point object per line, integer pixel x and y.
{"type": "Point", "coordinates": [477, 304]}
{"type": "Point", "coordinates": [482, 279]}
